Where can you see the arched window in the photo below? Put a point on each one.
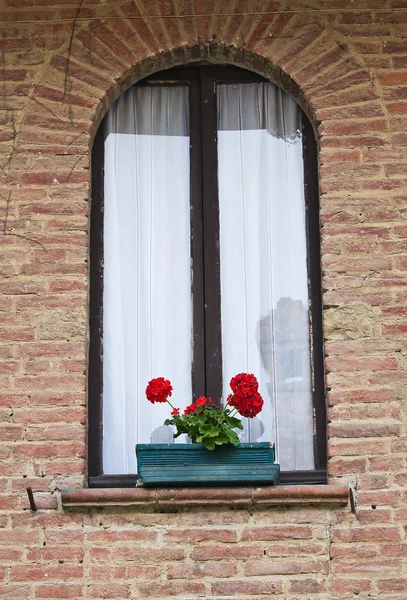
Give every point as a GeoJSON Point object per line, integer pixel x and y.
{"type": "Point", "coordinates": [205, 263]}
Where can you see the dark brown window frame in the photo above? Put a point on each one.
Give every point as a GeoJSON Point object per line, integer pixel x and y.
{"type": "Point", "coordinates": [207, 355]}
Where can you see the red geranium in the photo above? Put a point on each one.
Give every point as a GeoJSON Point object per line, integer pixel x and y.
{"type": "Point", "coordinates": [245, 398]}
{"type": "Point", "coordinates": [158, 390]}
{"type": "Point", "coordinates": [202, 400]}
{"type": "Point", "coordinates": [247, 406]}
{"type": "Point", "coordinates": [190, 408]}
{"type": "Point", "coordinates": [244, 383]}
{"type": "Point", "coordinates": [205, 422]}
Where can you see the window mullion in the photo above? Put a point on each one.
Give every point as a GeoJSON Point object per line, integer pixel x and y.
{"type": "Point", "coordinates": [197, 250]}
{"type": "Point", "coordinates": [213, 340]}
{"type": "Point", "coordinates": [95, 307]}
{"type": "Point", "coordinates": [314, 270]}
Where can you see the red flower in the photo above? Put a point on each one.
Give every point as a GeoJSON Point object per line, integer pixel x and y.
{"type": "Point", "coordinates": [158, 390]}
{"type": "Point", "coordinates": [247, 405]}
{"type": "Point", "coordinates": [190, 408]}
{"type": "Point", "coordinates": [202, 400]}
{"type": "Point", "coordinates": [244, 383]}
{"type": "Point", "coordinates": [175, 412]}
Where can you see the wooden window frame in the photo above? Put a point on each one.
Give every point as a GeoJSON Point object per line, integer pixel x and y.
{"type": "Point", "coordinates": [207, 355]}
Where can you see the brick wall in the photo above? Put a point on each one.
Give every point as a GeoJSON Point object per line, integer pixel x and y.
{"type": "Point", "coordinates": [57, 78]}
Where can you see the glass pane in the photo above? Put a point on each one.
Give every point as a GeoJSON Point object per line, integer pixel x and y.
{"type": "Point", "coordinates": [264, 290]}
{"type": "Point", "coordinates": [147, 288]}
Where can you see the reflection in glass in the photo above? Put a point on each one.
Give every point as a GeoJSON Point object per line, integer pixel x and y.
{"type": "Point", "coordinates": [263, 256]}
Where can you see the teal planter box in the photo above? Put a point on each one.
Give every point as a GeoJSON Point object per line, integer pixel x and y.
{"type": "Point", "coordinates": [170, 465]}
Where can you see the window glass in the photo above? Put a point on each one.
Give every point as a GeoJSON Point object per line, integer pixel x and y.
{"type": "Point", "coordinates": [146, 287]}
{"type": "Point", "coordinates": [263, 258]}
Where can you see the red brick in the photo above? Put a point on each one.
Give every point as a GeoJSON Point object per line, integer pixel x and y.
{"type": "Point", "coordinates": [396, 329]}
{"type": "Point", "coordinates": [237, 552]}
{"type": "Point", "coordinates": [379, 498]}
{"type": "Point", "coordinates": [199, 535]}
{"type": "Point", "coordinates": [382, 395]}
{"type": "Point", "coordinates": [277, 532]}
{"type": "Point", "coordinates": [110, 537]}
{"type": "Point", "coordinates": [41, 573]}
{"type": "Point", "coordinates": [340, 466]}
{"type": "Point", "coordinates": [61, 450]}
{"type": "Point", "coordinates": [394, 550]}
{"type": "Point", "coordinates": [17, 334]}
{"type": "Point", "coordinates": [58, 591]}
{"type": "Point", "coordinates": [171, 588]}
{"type": "Point", "coordinates": [362, 364]}
{"type": "Point", "coordinates": [370, 516]}
{"type": "Point", "coordinates": [350, 585]}
{"type": "Point", "coordinates": [11, 433]}
{"type": "Point", "coordinates": [285, 567]}
{"type": "Point", "coordinates": [49, 415]}
{"type": "Point", "coordinates": [147, 554]}
{"type": "Point", "coordinates": [387, 464]}
{"type": "Point", "coordinates": [201, 570]}
{"type": "Point", "coordinates": [109, 590]}
{"type": "Point", "coordinates": [361, 430]}
{"type": "Point", "coordinates": [242, 587]}
{"type": "Point", "coordinates": [18, 591]}
{"type": "Point", "coordinates": [366, 534]}
{"type": "Point", "coordinates": [309, 586]}
{"type": "Point", "coordinates": [393, 585]}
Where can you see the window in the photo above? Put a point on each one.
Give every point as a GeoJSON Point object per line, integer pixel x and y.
{"type": "Point", "coordinates": [205, 263]}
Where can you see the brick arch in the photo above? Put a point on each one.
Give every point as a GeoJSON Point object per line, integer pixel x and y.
{"type": "Point", "coordinates": [305, 58]}
{"type": "Point", "coordinates": [211, 53]}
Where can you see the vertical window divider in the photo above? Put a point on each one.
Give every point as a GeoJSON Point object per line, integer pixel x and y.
{"type": "Point", "coordinates": [197, 242]}
{"type": "Point", "coordinates": [95, 382]}
{"type": "Point", "coordinates": [213, 333]}
{"type": "Point", "coordinates": [314, 261]}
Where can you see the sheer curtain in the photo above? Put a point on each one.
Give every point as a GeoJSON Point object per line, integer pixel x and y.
{"type": "Point", "coordinates": [265, 323]}
{"type": "Point", "coordinates": [147, 288]}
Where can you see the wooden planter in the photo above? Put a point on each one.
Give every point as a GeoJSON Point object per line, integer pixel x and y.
{"type": "Point", "coordinates": [168, 465]}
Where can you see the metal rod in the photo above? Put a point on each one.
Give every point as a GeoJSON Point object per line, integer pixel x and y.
{"type": "Point", "coordinates": [30, 495]}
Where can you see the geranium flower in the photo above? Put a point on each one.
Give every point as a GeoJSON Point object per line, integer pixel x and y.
{"type": "Point", "coordinates": [201, 401]}
{"type": "Point", "coordinates": [191, 408]}
{"type": "Point", "coordinates": [158, 390]}
{"type": "Point", "coordinates": [247, 406]}
{"type": "Point", "coordinates": [175, 412]}
{"type": "Point", "coordinates": [245, 383]}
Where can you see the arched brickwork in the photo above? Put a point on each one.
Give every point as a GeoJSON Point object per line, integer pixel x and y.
{"type": "Point", "coordinates": [306, 59]}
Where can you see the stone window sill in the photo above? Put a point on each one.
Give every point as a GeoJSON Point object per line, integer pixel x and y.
{"type": "Point", "coordinates": [239, 497]}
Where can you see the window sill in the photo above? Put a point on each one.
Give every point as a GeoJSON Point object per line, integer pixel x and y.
{"type": "Point", "coordinates": [241, 497]}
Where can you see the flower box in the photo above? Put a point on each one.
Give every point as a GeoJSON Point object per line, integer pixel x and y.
{"type": "Point", "coordinates": [168, 465]}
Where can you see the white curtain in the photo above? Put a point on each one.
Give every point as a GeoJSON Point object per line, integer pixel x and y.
{"type": "Point", "coordinates": [265, 323]}
{"type": "Point", "coordinates": [147, 287]}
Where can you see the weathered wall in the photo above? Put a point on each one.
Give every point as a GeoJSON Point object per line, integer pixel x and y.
{"type": "Point", "coordinates": [56, 81]}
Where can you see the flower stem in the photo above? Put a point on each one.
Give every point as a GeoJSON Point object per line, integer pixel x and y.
{"type": "Point", "coordinates": [227, 403]}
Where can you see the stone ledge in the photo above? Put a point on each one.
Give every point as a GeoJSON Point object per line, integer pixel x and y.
{"type": "Point", "coordinates": [165, 498]}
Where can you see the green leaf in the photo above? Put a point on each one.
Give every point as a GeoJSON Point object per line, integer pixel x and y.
{"type": "Point", "coordinates": [209, 444]}
{"type": "Point", "coordinates": [209, 430]}
{"type": "Point", "coordinates": [221, 439]}
{"type": "Point", "coordinates": [233, 437]}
